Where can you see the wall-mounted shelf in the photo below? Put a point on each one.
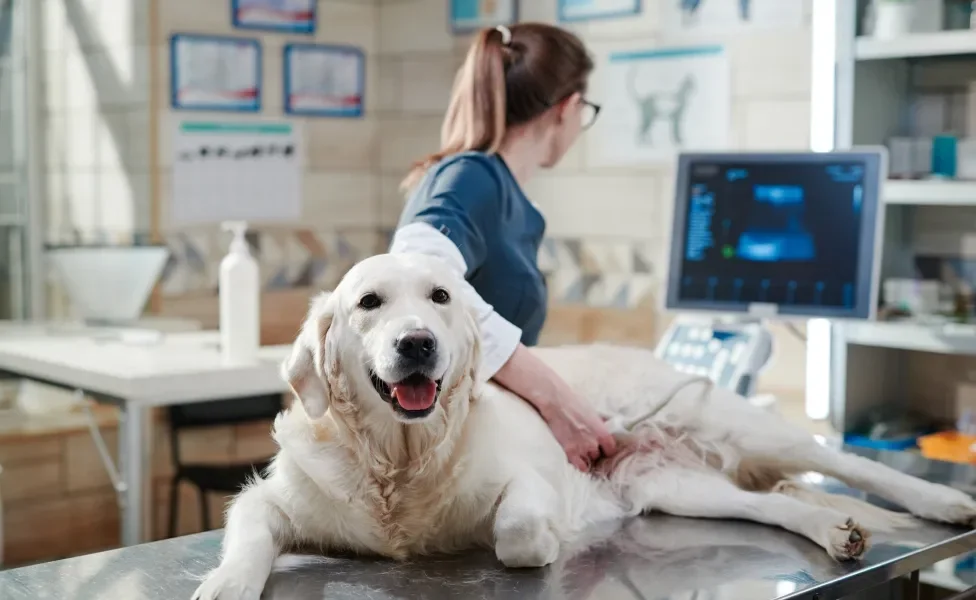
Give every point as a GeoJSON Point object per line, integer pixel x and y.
{"type": "Point", "coordinates": [943, 43]}
{"type": "Point", "coordinates": [933, 192]}
{"type": "Point", "coordinates": [939, 339]}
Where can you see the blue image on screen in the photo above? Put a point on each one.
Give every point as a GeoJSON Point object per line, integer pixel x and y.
{"type": "Point", "coordinates": [776, 231]}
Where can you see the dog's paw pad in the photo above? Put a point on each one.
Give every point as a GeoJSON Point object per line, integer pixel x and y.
{"type": "Point", "coordinates": [848, 541]}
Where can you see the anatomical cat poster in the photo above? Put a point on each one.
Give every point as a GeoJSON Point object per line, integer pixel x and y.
{"type": "Point", "coordinates": [730, 16]}
{"type": "Point", "coordinates": [658, 102]}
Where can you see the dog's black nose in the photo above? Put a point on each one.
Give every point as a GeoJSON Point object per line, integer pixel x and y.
{"type": "Point", "coordinates": [418, 344]}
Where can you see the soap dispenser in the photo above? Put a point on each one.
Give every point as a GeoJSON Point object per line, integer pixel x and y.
{"type": "Point", "coordinates": [240, 300]}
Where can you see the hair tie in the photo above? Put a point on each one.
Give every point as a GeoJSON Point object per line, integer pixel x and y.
{"type": "Point", "coordinates": [506, 34]}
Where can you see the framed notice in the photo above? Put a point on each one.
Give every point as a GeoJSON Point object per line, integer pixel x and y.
{"type": "Point", "coordinates": [215, 73]}
{"type": "Point", "coordinates": [584, 10]}
{"type": "Point", "coordinates": [471, 15]}
{"type": "Point", "coordinates": [324, 80]}
{"type": "Point", "coordinates": [290, 16]}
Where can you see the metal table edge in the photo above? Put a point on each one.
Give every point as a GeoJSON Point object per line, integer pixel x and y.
{"type": "Point", "coordinates": [889, 570]}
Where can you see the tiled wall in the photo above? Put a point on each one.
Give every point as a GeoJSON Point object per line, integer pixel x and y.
{"type": "Point", "coordinates": [341, 193]}
{"type": "Point", "coordinates": [98, 167]}
{"type": "Point", "coordinates": [594, 255]}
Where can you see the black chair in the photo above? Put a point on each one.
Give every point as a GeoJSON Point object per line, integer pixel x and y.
{"type": "Point", "coordinates": [224, 478]}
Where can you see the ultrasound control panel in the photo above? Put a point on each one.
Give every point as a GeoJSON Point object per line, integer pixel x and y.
{"type": "Point", "coordinates": [731, 355]}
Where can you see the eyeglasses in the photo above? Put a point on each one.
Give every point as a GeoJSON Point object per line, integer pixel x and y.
{"type": "Point", "coordinates": [589, 113]}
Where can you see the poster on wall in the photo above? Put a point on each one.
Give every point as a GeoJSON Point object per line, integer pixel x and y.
{"type": "Point", "coordinates": [729, 16]}
{"type": "Point", "coordinates": [582, 10]}
{"type": "Point", "coordinates": [236, 171]}
{"type": "Point", "coordinates": [291, 16]}
{"type": "Point", "coordinates": [215, 73]}
{"type": "Point", "coordinates": [326, 81]}
{"type": "Point", "coordinates": [471, 15]}
{"type": "Point", "coordinates": [658, 102]}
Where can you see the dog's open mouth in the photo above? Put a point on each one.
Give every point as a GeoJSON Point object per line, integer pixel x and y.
{"type": "Point", "coordinates": [414, 396]}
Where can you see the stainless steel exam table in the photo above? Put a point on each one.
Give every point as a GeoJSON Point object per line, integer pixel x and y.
{"type": "Point", "coordinates": [658, 557]}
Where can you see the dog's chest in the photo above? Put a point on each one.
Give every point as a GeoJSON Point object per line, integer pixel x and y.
{"type": "Point", "coordinates": [424, 515]}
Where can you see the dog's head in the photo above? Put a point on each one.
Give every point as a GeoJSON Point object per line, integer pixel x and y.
{"type": "Point", "coordinates": [392, 336]}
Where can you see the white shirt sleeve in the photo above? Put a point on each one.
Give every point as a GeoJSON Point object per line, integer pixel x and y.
{"type": "Point", "coordinates": [499, 338]}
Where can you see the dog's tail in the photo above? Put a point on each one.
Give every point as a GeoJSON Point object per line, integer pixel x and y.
{"type": "Point", "coordinates": [870, 516]}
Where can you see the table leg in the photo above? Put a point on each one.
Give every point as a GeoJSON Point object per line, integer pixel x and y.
{"type": "Point", "coordinates": [135, 443]}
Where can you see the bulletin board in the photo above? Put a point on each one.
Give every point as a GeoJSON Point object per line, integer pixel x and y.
{"type": "Point", "coordinates": [324, 80]}
{"type": "Point", "coordinates": [215, 73]}
{"type": "Point", "coordinates": [584, 10]}
{"type": "Point", "coordinates": [290, 16]}
{"type": "Point", "coordinates": [466, 16]}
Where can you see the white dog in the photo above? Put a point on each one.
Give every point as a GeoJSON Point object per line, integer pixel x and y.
{"type": "Point", "coordinates": [396, 450]}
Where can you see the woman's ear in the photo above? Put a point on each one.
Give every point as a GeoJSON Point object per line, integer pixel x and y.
{"type": "Point", "coordinates": [568, 107]}
{"type": "Point", "coordinates": [303, 370]}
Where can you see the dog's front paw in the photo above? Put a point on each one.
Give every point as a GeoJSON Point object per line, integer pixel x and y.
{"type": "Point", "coordinates": [848, 541]}
{"type": "Point", "coordinates": [527, 547]}
{"type": "Point", "coordinates": [226, 584]}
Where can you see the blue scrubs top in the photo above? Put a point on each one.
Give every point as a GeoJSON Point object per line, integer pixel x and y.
{"type": "Point", "coordinates": [474, 200]}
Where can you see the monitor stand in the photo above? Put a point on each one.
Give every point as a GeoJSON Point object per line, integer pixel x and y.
{"type": "Point", "coordinates": [729, 350]}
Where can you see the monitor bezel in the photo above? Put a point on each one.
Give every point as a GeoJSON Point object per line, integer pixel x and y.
{"type": "Point", "coordinates": [872, 234]}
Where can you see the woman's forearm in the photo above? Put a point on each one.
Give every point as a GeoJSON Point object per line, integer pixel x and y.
{"type": "Point", "coordinates": [527, 376]}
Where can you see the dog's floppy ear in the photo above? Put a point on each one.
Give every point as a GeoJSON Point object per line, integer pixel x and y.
{"type": "Point", "coordinates": [303, 369]}
{"type": "Point", "coordinates": [472, 329]}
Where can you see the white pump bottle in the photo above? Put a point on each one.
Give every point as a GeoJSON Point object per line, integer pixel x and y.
{"type": "Point", "coordinates": [240, 300]}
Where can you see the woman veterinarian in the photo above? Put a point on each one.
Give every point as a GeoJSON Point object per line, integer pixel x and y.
{"type": "Point", "coordinates": [518, 105]}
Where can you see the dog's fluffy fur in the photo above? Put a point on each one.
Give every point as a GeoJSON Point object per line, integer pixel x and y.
{"type": "Point", "coordinates": [355, 473]}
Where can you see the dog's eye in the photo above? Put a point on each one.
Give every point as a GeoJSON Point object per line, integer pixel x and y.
{"type": "Point", "coordinates": [370, 301]}
{"type": "Point", "coordinates": [440, 296]}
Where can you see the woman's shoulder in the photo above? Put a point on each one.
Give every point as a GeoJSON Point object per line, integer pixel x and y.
{"type": "Point", "coordinates": [466, 166]}
{"type": "Point", "coordinates": [471, 180]}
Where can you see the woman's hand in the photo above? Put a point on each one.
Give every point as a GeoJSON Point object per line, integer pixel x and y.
{"type": "Point", "coordinates": [580, 430]}
{"type": "Point", "coordinates": [577, 426]}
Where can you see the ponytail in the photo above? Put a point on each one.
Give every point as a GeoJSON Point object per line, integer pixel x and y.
{"type": "Point", "coordinates": [475, 118]}
{"type": "Point", "coordinates": [510, 77]}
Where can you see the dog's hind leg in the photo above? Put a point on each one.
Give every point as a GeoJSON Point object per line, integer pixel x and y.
{"type": "Point", "coordinates": [696, 493]}
{"type": "Point", "coordinates": [921, 498]}
{"type": "Point", "coordinates": [251, 544]}
{"type": "Point", "coordinates": [793, 452]}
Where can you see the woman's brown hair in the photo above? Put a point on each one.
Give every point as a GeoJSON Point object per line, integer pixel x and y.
{"type": "Point", "coordinates": [504, 83]}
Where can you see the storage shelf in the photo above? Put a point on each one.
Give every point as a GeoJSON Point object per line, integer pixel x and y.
{"type": "Point", "coordinates": [934, 192]}
{"type": "Point", "coordinates": [942, 43]}
{"type": "Point", "coordinates": [940, 339]}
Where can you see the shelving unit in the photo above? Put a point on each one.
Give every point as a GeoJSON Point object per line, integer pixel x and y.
{"type": "Point", "coordinates": [941, 44]}
{"type": "Point", "coordinates": [930, 192]}
{"type": "Point", "coordinates": [873, 83]}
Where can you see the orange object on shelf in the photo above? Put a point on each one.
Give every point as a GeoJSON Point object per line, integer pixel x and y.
{"type": "Point", "coordinates": [950, 446]}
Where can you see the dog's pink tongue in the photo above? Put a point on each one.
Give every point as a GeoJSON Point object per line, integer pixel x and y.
{"type": "Point", "coordinates": [415, 396]}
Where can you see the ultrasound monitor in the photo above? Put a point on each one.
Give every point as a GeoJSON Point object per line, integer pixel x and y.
{"type": "Point", "coordinates": [793, 235]}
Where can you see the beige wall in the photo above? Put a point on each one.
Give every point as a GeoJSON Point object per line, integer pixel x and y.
{"type": "Point", "coordinates": [598, 218]}
{"type": "Point", "coordinates": [108, 79]}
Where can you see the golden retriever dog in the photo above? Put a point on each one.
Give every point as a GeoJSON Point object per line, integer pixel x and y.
{"type": "Point", "coordinates": [396, 448]}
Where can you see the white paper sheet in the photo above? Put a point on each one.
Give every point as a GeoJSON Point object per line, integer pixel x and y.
{"type": "Point", "coordinates": [657, 102]}
{"type": "Point", "coordinates": [236, 171]}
